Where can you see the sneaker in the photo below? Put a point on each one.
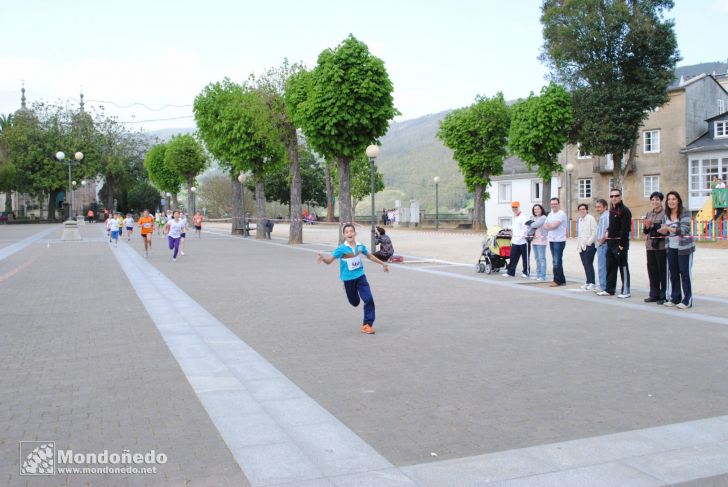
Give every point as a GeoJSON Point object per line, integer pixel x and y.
{"type": "Point", "coordinates": [651, 300]}
{"type": "Point", "coordinates": [540, 279]}
{"type": "Point", "coordinates": [660, 302]}
{"type": "Point", "coordinates": [683, 306]}
{"type": "Point", "coordinates": [584, 286]}
{"type": "Point", "coordinates": [590, 287]}
{"type": "Point", "coordinates": [174, 259]}
{"type": "Point", "coordinates": [603, 293]}
{"type": "Point", "coordinates": [624, 296]}
{"type": "Point", "coordinates": [365, 328]}
{"type": "Point", "coordinates": [182, 252]}
{"type": "Point", "coordinates": [524, 275]}
{"type": "Point", "coordinates": [669, 304]}
{"type": "Point", "coordinates": [506, 275]}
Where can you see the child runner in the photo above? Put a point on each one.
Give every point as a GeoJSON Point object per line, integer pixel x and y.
{"type": "Point", "coordinates": [146, 225]}
{"type": "Point", "coordinates": [197, 222]}
{"type": "Point", "coordinates": [129, 224]}
{"type": "Point", "coordinates": [107, 223]}
{"type": "Point", "coordinates": [351, 271]}
{"type": "Point", "coordinates": [121, 222]}
{"type": "Point", "coordinates": [174, 230]}
{"type": "Point", "coordinates": [114, 229]}
{"type": "Point", "coordinates": [160, 222]}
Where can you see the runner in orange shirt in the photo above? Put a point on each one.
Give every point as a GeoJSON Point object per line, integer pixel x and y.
{"type": "Point", "coordinates": [197, 222]}
{"type": "Point", "coordinates": [146, 226]}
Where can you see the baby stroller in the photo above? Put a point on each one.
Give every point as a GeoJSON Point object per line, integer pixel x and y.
{"type": "Point", "coordinates": [496, 251]}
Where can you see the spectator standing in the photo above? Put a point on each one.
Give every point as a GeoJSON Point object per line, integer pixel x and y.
{"type": "Point", "coordinates": [556, 237]}
{"type": "Point", "coordinates": [519, 244]}
{"type": "Point", "coordinates": [655, 248]}
{"type": "Point", "coordinates": [620, 223]}
{"type": "Point", "coordinates": [601, 242]}
{"type": "Point", "coordinates": [539, 241]}
{"type": "Point", "coordinates": [680, 250]}
{"type": "Point", "coordinates": [586, 234]}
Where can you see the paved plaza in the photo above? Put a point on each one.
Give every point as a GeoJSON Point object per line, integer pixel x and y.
{"type": "Point", "coordinates": [243, 364]}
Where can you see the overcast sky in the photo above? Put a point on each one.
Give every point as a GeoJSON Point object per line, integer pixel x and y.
{"type": "Point", "coordinates": [439, 54]}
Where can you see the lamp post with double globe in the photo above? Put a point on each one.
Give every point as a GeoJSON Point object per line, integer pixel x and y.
{"type": "Point", "coordinates": [436, 180]}
{"type": "Point", "coordinates": [242, 178]}
{"type": "Point", "coordinates": [61, 156]}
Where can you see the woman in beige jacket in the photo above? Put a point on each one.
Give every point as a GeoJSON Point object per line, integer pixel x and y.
{"type": "Point", "coordinates": [586, 233]}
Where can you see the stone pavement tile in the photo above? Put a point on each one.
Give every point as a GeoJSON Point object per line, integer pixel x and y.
{"type": "Point", "coordinates": [88, 369]}
{"type": "Point", "coordinates": [375, 478]}
{"type": "Point", "coordinates": [684, 464]}
{"type": "Point", "coordinates": [603, 475]}
{"type": "Point", "coordinates": [717, 481]}
{"type": "Point", "coordinates": [288, 463]}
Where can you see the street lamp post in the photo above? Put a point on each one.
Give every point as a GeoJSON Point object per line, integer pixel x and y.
{"type": "Point", "coordinates": [78, 156]}
{"type": "Point", "coordinates": [372, 154]}
{"type": "Point", "coordinates": [192, 208]}
{"type": "Point", "coordinates": [73, 198]}
{"type": "Point", "coordinates": [569, 168]}
{"type": "Point", "coordinates": [242, 178]}
{"type": "Point", "coordinates": [436, 179]}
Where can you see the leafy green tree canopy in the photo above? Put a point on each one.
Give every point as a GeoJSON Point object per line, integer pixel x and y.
{"type": "Point", "coordinates": [143, 196]}
{"type": "Point", "coordinates": [618, 58]}
{"type": "Point", "coordinates": [185, 156]}
{"type": "Point", "coordinates": [164, 177]}
{"type": "Point", "coordinates": [539, 128]}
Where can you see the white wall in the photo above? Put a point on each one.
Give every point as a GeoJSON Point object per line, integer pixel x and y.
{"type": "Point", "coordinates": [498, 207]}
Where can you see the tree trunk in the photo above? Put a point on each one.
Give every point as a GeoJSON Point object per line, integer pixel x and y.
{"type": "Point", "coordinates": [546, 195]}
{"type": "Point", "coordinates": [52, 204]}
{"type": "Point", "coordinates": [175, 202]}
{"type": "Point", "coordinates": [329, 194]}
{"type": "Point", "coordinates": [110, 195]}
{"type": "Point", "coordinates": [237, 224]}
{"type": "Point", "coordinates": [259, 203]}
{"type": "Point", "coordinates": [9, 202]}
{"type": "Point", "coordinates": [479, 208]}
{"type": "Point", "coordinates": [295, 231]}
{"type": "Point", "coordinates": [345, 215]}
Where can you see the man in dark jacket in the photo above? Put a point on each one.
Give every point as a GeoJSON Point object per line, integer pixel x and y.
{"type": "Point", "coordinates": [620, 224]}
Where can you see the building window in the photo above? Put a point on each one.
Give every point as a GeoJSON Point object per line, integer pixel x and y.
{"type": "Point", "coordinates": [721, 128]}
{"type": "Point", "coordinates": [504, 222]}
{"type": "Point", "coordinates": [702, 172]}
{"type": "Point", "coordinates": [585, 188]}
{"type": "Point", "coordinates": [651, 141]}
{"type": "Point", "coordinates": [536, 191]}
{"type": "Point", "coordinates": [652, 184]}
{"type": "Point", "coordinates": [721, 106]}
{"type": "Point", "coordinates": [580, 154]}
{"type": "Point", "coordinates": [504, 192]}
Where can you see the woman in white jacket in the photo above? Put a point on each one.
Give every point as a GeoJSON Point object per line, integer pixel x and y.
{"type": "Point", "coordinates": [586, 233]}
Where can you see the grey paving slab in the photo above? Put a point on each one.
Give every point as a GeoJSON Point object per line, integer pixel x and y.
{"type": "Point", "coordinates": [684, 464]}
{"type": "Point", "coordinates": [603, 475]}
{"type": "Point", "coordinates": [82, 364]}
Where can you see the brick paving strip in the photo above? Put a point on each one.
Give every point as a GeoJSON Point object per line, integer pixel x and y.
{"type": "Point", "coordinates": [281, 436]}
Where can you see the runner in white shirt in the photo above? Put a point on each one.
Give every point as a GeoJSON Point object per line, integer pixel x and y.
{"type": "Point", "coordinates": [174, 231]}
{"type": "Point", "coordinates": [114, 229]}
{"type": "Point", "coordinates": [129, 224]}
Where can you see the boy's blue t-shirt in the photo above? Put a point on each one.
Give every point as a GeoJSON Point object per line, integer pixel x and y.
{"type": "Point", "coordinates": [351, 265]}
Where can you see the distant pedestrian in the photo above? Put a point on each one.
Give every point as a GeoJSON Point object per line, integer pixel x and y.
{"type": "Point", "coordinates": [556, 236]}
{"type": "Point", "coordinates": [174, 230]}
{"type": "Point", "coordinates": [620, 225]}
{"type": "Point", "coordinates": [539, 241]}
{"type": "Point", "coordinates": [161, 221]}
{"type": "Point", "coordinates": [90, 216]}
{"type": "Point", "coordinates": [656, 250]}
{"type": "Point", "coordinates": [601, 242]}
{"type": "Point", "coordinates": [146, 228]}
{"type": "Point", "coordinates": [586, 234]}
{"type": "Point", "coordinates": [680, 250]}
{"type": "Point", "coordinates": [351, 272]}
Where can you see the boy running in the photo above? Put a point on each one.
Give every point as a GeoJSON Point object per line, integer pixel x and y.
{"type": "Point", "coordinates": [114, 229]}
{"type": "Point", "coordinates": [351, 271]}
{"type": "Point", "coordinates": [146, 225]}
{"type": "Point", "coordinates": [129, 224]}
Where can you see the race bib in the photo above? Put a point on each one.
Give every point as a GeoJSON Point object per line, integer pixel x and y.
{"type": "Point", "coordinates": [354, 263]}
{"type": "Point", "coordinates": [147, 225]}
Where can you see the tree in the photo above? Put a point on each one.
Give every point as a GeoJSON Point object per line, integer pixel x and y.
{"type": "Point", "coordinates": [7, 182]}
{"type": "Point", "coordinates": [185, 156]}
{"type": "Point", "coordinates": [143, 196]}
{"type": "Point", "coordinates": [238, 130]}
{"type": "Point", "coordinates": [272, 86]}
{"type": "Point", "coordinates": [539, 128]}
{"type": "Point", "coordinates": [618, 57]}
{"type": "Point", "coordinates": [160, 173]}
{"type": "Point", "coordinates": [343, 105]}
{"type": "Point", "coordinates": [361, 180]}
{"type": "Point", "coordinates": [477, 136]}
{"type": "Point", "coordinates": [313, 187]}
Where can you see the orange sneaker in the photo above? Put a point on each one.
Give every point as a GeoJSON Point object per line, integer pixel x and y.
{"type": "Point", "coordinates": [365, 328]}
